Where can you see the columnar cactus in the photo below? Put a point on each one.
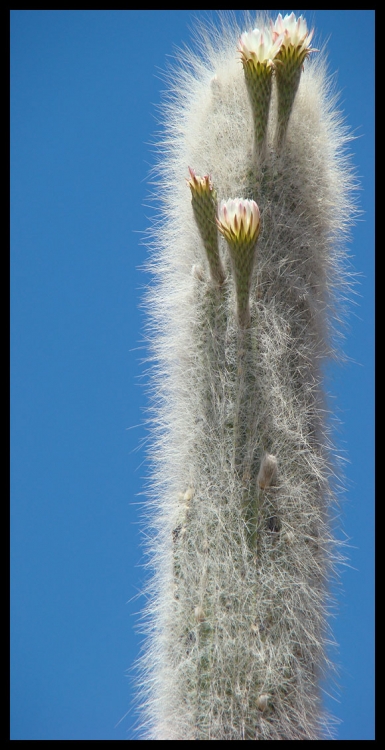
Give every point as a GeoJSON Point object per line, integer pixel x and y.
{"type": "Point", "coordinates": [248, 259]}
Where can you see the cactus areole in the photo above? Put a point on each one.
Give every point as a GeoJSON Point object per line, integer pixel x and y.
{"type": "Point", "coordinates": [248, 260]}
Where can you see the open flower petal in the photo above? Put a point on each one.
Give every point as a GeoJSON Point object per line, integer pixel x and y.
{"type": "Point", "coordinates": [259, 46]}
{"type": "Point", "coordinates": [292, 31]}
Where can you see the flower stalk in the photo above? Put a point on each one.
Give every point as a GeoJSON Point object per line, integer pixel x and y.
{"type": "Point", "coordinates": [204, 206]}
{"type": "Point", "coordinates": [258, 51]}
{"type": "Point", "coordinates": [293, 50]}
{"type": "Point", "coordinates": [239, 222]}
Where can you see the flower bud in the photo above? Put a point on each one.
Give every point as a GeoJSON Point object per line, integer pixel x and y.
{"type": "Point", "coordinates": [263, 701]}
{"type": "Point", "coordinates": [204, 206]}
{"type": "Point", "coordinates": [199, 614]}
{"type": "Point", "coordinates": [239, 222]}
{"type": "Point", "coordinates": [258, 49]}
{"type": "Point", "coordinates": [268, 471]}
{"type": "Point", "coordinates": [294, 49]}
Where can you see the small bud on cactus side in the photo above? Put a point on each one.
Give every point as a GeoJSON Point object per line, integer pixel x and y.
{"type": "Point", "coordinates": [263, 702]}
{"type": "Point", "coordinates": [204, 207]}
{"type": "Point", "coordinates": [258, 50]}
{"type": "Point", "coordinates": [293, 51]}
{"type": "Point", "coordinates": [188, 494]}
{"type": "Point", "coordinates": [199, 614]}
{"type": "Point", "coordinates": [239, 222]}
{"type": "Point", "coordinates": [268, 471]}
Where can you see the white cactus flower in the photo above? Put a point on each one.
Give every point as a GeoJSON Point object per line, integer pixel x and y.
{"type": "Point", "coordinates": [292, 31]}
{"type": "Point", "coordinates": [238, 220]}
{"type": "Point", "coordinates": [259, 46]}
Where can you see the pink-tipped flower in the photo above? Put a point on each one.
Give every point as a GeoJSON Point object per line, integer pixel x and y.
{"type": "Point", "coordinates": [259, 46]}
{"type": "Point", "coordinates": [238, 220]}
{"type": "Point", "coordinates": [258, 50]}
{"type": "Point", "coordinates": [294, 49]}
{"type": "Point", "coordinates": [292, 32]}
{"type": "Point", "coordinates": [204, 204]}
{"type": "Point", "coordinates": [200, 185]}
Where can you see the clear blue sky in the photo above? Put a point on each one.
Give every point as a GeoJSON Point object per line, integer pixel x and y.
{"type": "Point", "coordinates": [84, 90]}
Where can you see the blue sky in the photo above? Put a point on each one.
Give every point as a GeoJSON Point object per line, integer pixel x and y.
{"type": "Point", "coordinates": [84, 90]}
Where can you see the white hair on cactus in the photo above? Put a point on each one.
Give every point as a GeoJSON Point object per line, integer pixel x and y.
{"type": "Point", "coordinates": [230, 601]}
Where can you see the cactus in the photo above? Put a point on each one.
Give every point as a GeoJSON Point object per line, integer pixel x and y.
{"type": "Point", "coordinates": [249, 260]}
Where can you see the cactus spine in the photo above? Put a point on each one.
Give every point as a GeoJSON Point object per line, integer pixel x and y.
{"type": "Point", "coordinates": [247, 265]}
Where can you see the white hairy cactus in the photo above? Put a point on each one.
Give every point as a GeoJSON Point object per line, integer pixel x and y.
{"type": "Point", "coordinates": [248, 263]}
